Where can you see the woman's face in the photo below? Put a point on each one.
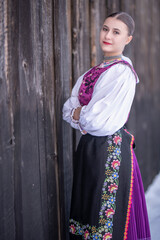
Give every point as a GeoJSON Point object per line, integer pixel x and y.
{"type": "Point", "coordinates": [114, 37]}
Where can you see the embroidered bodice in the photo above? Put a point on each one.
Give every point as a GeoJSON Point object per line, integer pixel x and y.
{"type": "Point", "coordinates": [106, 94]}
{"type": "Point", "coordinates": [90, 79]}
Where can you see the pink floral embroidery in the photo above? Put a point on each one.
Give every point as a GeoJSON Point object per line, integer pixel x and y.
{"type": "Point", "coordinates": [107, 236]}
{"type": "Point", "coordinates": [110, 212]}
{"type": "Point", "coordinates": [86, 235]}
{"type": "Point", "coordinates": [115, 164]}
{"type": "Point", "coordinates": [112, 188]}
{"type": "Point", "coordinates": [117, 139]}
{"type": "Point", "coordinates": [73, 229]}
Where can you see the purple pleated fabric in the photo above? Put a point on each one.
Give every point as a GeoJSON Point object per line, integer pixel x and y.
{"type": "Point", "coordinates": [138, 228]}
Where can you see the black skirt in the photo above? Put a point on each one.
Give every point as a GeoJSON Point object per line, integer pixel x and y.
{"type": "Point", "coordinates": [102, 183]}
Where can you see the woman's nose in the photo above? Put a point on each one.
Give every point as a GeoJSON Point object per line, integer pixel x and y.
{"type": "Point", "coordinates": [108, 35]}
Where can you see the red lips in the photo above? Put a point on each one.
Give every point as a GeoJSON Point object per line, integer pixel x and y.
{"type": "Point", "coordinates": [107, 43]}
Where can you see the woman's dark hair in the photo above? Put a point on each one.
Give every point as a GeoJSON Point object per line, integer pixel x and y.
{"type": "Point", "coordinates": [126, 19]}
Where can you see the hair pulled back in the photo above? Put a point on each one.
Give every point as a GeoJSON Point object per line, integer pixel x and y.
{"type": "Point", "coordinates": [126, 19]}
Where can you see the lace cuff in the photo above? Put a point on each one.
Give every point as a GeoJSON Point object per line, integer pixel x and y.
{"type": "Point", "coordinates": [71, 115]}
{"type": "Point", "coordinates": [77, 122]}
{"type": "Point", "coordinates": [82, 130]}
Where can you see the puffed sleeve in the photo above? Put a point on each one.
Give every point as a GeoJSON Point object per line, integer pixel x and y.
{"type": "Point", "coordinates": [72, 103]}
{"type": "Point", "coordinates": [111, 102]}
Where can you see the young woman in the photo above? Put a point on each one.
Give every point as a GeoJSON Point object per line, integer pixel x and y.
{"type": "Point", "coordinates": [108, 199]}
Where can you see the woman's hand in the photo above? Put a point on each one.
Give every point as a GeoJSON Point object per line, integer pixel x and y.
{"type": "Point", "coordinates": [77, 113]}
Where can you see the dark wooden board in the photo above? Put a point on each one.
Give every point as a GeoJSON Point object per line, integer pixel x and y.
{"type": "Point", "coordinates": [8, 61]}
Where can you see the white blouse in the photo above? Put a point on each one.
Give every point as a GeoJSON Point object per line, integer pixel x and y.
{"type": "Point", "coordinates": [110, 104]}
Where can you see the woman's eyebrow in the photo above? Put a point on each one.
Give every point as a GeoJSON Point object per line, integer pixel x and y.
{"type": "Point", "coordinates": [105, 26]}
{"type": "Point", "coordinates": [117, 29]}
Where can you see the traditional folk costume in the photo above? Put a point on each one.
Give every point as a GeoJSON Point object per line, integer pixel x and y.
{"type": "Point", "coordinates": [108, 199]}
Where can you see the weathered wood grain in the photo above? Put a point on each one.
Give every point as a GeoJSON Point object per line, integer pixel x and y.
{"type": "Point", "coordinates": [50, 137]}
{"type": "Point", "coordinates": [98, 14]}
{"type": "Point", "coordinates": [7, 137]}
{"type": "Point", "coordinates": [80, 44]}
{"type": "Point", "coordinates": [31, 118]}
{"type": "Point", "coordinates": [113, 6]}
{"type": "Point", "coordinates": [63, 85]}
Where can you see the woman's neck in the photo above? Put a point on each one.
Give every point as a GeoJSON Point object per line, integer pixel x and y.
{"type": "Point", "coordinates": [110, 58]}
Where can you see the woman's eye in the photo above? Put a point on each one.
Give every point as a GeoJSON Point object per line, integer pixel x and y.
{"type": "Point", "coordinates": [116, 32]}
{"type": "Point", "coordinates": [105, 29]}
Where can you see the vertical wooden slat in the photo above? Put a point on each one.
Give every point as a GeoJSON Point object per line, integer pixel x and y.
{"type": "Point", "coordinates": [146, 109]}
{"type": "Point", "coordinates": [49, 122]}
{"type": "Point", "coordinates": [80, 44]}
{"type": "Point", "coordinates": [7, 144]}
{"type": "Point", "coordinates": [66, 81]}
{"type": "Point", "coordinates": [43, 61]}
{"type": "Point", "coordinates": [37, 123]}
{"type": "Point", "coordinates": [155, 86]}
{"type": "Point", "coordinates": [15, 95]}
{"type": "Point", "coordinates": [63, 85]}
{"type": "Point", "coordinates": [97, 17]}
{"type": "Point", "coordinates": [80, 37]}
{"type": "Point", "coordinates": [30, 92]}
{"type": "Point", "coordinates": [113, 6]}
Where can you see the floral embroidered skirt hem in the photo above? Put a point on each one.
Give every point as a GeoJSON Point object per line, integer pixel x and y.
{"type": "Point", "coordinates": [108, 199]}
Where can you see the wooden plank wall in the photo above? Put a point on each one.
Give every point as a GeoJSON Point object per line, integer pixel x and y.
{"type": "Point", "coordinates": [45, 46]}
{"type": "Point", "coordinates": [29, 183]}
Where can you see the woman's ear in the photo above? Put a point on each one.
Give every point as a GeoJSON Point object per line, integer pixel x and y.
{"type": "Point", "coordinates": [129, 39]}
